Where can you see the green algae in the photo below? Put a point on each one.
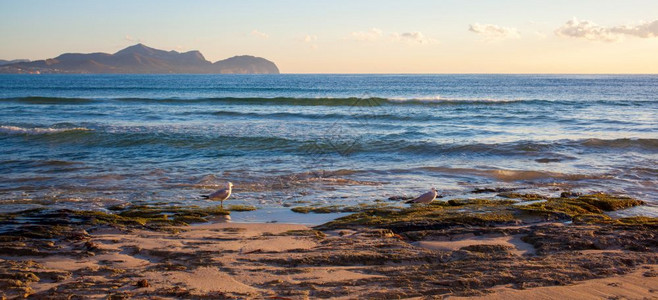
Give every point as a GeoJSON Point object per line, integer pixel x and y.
{"type": "Point", "coordinates": [464, 202]}
{"type": "Point", "coordinates": [609, 202]}
{"type": "Point", "coordinates": [307, 233]}
{"type": "Point", "coordinates": [158, 216]}
{"type": "Point", "coordinates": [561, 208]}
{"type": "Point", "coordinates": [487, 212]}
{"type": "Point", "coordinates": [639, 220]}
{"type": "Point", "coordinates": [426, 216]}
{"type": "Point", "coordinates": [318, 210]}
{"type": "Point", "coordinates": [241, 208]}
{"type": "Point", "coordinates": [605, 219]}
{"type": "Point", "coordinates": [338, 208]}
{"type": "Point", "coordinates": [302, 209]}
{"type": "Point", "coordinates": [99, 217]}
{"type": "Point", "coordinates": [593, 204]}
{"type": "Point", "coordinates": [524, 197]}
{"type": "Point", "coordinates": [44, 224]}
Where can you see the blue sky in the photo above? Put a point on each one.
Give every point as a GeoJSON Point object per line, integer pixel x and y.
{"type": "Point", "coordinates": [353, 36]}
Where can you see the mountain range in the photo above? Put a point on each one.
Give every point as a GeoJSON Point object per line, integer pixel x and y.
{"type": "Point", "coordinates": [140, 59]}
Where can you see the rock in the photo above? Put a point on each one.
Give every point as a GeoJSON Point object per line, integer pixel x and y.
{"type": "Point", "coordinates": [142, 283]}
{"type": "Point", "coordinates": [570, 194]}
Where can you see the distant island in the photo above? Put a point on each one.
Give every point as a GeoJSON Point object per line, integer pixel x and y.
{"type": "Point", "coordinates": [140, 59]}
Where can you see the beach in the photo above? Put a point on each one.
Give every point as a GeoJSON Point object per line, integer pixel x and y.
{"type": "Point", "coordinates": [301, 150]}
{"type": "Point", "coordinates": [461, 248]}
{"type": "Point", "coordinates": [546, 186]}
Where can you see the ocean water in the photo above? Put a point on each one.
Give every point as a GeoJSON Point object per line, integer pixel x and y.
{"type": "Point", "coordinates": [92, 141]}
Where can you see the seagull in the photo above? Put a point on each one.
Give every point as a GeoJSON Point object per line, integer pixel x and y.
{"type": "Point", "coordinates": [425, 198]}
{"type": "Point", "coordinates": [220, 195]}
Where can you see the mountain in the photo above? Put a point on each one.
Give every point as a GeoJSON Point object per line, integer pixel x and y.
{"type": "Point", "coordinates": [140, 59]}
{"type": "Point", "coordinates": [6, 62]}
{"type": "Point", "coordinates": [245, 64]}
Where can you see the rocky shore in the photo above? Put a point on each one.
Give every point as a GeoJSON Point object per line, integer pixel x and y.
{"type": "Point", "coordinates": [469, 247]}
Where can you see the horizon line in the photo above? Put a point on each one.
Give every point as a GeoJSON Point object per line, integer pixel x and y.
{"type": "Point", "coordinates": [332, 73]}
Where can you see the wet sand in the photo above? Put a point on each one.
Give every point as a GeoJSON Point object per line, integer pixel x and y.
{"type": "Point", "coordinates": [415, 253]}
{"type": "Point", "coordinates": [294, 261]}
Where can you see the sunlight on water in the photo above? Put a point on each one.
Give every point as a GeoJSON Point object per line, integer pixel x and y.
{"type": "Point", "coordinates": [95, 141]}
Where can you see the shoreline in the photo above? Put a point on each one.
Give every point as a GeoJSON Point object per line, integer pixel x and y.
{"type": "Point", "coordinates": [459, 248]}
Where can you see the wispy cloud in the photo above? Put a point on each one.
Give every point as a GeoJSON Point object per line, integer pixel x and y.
{"type": "Point", "coordinates": [310, 40]}
{"type": "Point", "coordinates": [260, 34]}
{"type": "Point", "coordinates": [413, 37]}
{"type": "Point", "coordinates": [373, 34]}
{"type": "Point", "coordinates": [494, 32]}
{"type": "Point", "coordinates": [589, 30]}
{"type": "Point", "coordinates": [131, 39]}
{"type": "Point", "coordinates": [376, 34]}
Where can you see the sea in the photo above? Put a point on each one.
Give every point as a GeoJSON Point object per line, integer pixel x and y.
{"type": "Point", "coordinates": [90, 142]}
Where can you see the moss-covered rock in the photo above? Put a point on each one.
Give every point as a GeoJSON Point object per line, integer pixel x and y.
{"type": "Point", "coordinates": [464, 202]}
{"type": "Point", "coordinates": [64, 223]}
{"type": "Point", "coordinates": [241, 208]}
{"type": "Point", "coordinates": [427, 217]}
{"type": "Point", "coordinates": [308, 233]}
{"type": "Point", "coordinates": [486, 212]}
{"type": "Point", "coordinates": [587, 205]}
{"type": "Point", "coordinates": [639, 220]}
{"type": "Point", "coordinates": [609, 202]}
{"type": "Point", "coordinates": [337, 208]}
{"type": "Point", "coordinates": [523, 197]}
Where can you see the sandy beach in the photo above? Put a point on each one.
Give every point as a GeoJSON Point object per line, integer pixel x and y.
{"type": "Point", "coordinates": [439, 250]}
{"type": "Point", "coordinates": [294, 150]}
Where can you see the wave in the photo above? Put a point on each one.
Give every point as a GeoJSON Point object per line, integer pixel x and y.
{"type": "Point", "coordinates": [39, 130]}
{"type": "Point", "coordinates": [625, 143]}
{"type": "Point", "coordinates": [260, 183]}
{"type": "Point", "coordinates": [230, 145]}
{"type": "Point", "coordinates": [514, 175]}
{"type": "Point", "coordinates": [542, 152]}
{"type": "Point", "coordinates": [318, 101]}
{"type": "Point", "coordinates": [295, 101]}
{"type": "Point", "coordinates": [407, 143]}
{"type": "Point", "coordinates": [49, 100]}
{"type": "Point", "coordinates": [323, 101]}
{"type": "Point", "coordinates": [314, 116]}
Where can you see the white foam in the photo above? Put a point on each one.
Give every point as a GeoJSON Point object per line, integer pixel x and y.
{"type": "Point", "coordinates": [439, 99]}
{"type": "Point", "coordinates": [38, 130]}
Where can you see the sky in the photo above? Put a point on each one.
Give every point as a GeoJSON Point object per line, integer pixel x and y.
{"type": "Point", "coordinates": [451, 36]}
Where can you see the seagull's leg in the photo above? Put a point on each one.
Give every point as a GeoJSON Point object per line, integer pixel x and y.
{"type": "Point", "coordinates": [221, 203]}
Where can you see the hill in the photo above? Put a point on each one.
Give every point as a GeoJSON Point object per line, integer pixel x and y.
{"type": "Point", "coordinates": [140, 59]}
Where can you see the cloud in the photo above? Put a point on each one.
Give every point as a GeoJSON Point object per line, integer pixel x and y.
{"type": "Point", "coordinates": [413, 37]}
{"type": "Point", "coordinates": [586, 30]}
{"type": "Point", "coordinates": [131, 38]}
{"type": "Point", "coordinates": [540, 35]}
{"type": "Point", "coordinates": [642, 30]}
{"type": "Point", "coordinates": [373, 34]}
{"type": "Point", "coordinates": [259, 34]}
{"type": "Point", "coordinates": [376, 34]}
{"type": "Point", "coordinates": [310, 38]}
{"type": "Point", "coordinates": [589, 30]}
{"type": "Point", "coordinates": [494, 32]}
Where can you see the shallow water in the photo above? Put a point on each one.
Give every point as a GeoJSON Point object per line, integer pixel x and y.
{"type": "Point", "coordinates": [91, 141]}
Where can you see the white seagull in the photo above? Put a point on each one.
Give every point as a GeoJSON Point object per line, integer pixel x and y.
{"type": "Point", "coordinates": [220, 195]}
{"type": "Point", "coordinates": [425, 198]}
